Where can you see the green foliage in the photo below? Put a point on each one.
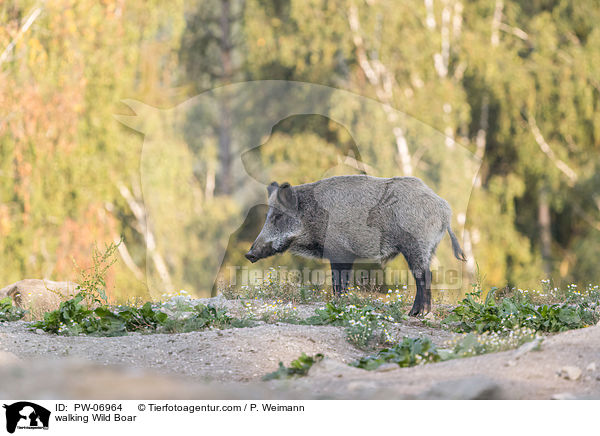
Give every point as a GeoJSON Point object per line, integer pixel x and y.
{"type": "Point", "coordinates": [8, 312]}
{"type": "Point", "coordinates": [409, 352]}
{"type": "Point", "coordinates": [511, 313]}
{"type": "Point", "coordinates": [74, 317]}
{"type": "Point", "coordinates": [361, 323]}
{"type": "Point", "coordinates": [88, 312]}
{"type": "Point", "coordinates": [92, 284]}
{"type": "Point", "coordinates": [297, 368]}
{"type": "Point", "coordinates": [200, 316]}
{"type": "Point", "coordinates": [331, 314]}
{"type": "Point", "coordinates": [363, 314]}
{"type": "Point", "coordinates": [471, 344]}
{"type": "Point", "coordinates": [276, 284]}
{"type": "Point", "coordinates": [395, 310]}
{"type": "Point", "coordinates": [58, 135]}
{"type": "Point", "coordinates": [417, 351]}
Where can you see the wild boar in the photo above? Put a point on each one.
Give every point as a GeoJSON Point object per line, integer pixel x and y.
{"type": "Point", "coordinates": [346, 218]}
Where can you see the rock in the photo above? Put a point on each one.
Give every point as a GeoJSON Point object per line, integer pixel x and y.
{"type": "Point", "coordinates": [39, 331]}
{"type": "Point", "coordinates": [7, 358]}
{"type": "Point", "coordinates": [570, 373]}
{"type": "Point", "coordinates": [511, 363]}
{"type": "Point", "coordinates": [73, 378]}
{"type": "Point", "coordinates": [430, 316]}
{"type": "Point", "coordinates": [361, 387]}
{"type": "Point", "coordinates": [332, 368]}
{"type": "Point", "coordinates": [470, 388]}
{"type": "Point", "coordinates": [218, 301]}
{"type": "Point", "coordinates": [527, 347]}
{"type": "Point", "coordinates": [563, 396]}
{"type": "Point", "coordinates": [591, 367]}
{"type": "Point", "coordinates": [387, 367]}
{"type": "Point", "coordinates": [38, 296]}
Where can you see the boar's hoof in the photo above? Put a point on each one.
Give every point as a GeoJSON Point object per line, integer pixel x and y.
{"type": "Point", "coordinates": [415, 311]}
{"type": "Point", "coordinates": [418, 310]}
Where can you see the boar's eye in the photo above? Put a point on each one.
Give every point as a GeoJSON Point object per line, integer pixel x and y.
{"type": "Point", "coordinates": [277, 216]}
{"type": "Point", "coordinates": [280, 220]}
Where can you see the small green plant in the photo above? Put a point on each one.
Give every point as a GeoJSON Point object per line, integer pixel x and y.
{"type": "Point", "coordinates": [396, 310]}
{"type": "Point", "coordinates": [361, 323]}
{"type": "Point", "coordinates": [8, 312]}
{"type": "Point", "coordinates": [88, 312]}
{"type": "Point", "coordinates": [472, 344]}
{"type": "Point", "coordinates": [73, 317]}
{"type": "Point", "coordinates": [277, 284]}
{"type": "Point", "coordinates": [297, 368]}
{"type": "Point", "coordinates": [272, 312]}
{"type": "Point", "coordinates": [475, 314]}
{"type": "Point", "coordinates": [200, 317]}
{"type": "Point", "coordinates": [417, 351]}
{"type": "Point", "coordinates": [331, 314]}
{"type": "Point", "coordinates": [409, 352]}
{"type": "Point", "coordinates": [91, 283]}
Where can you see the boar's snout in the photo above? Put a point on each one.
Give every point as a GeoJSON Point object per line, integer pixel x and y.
{"type": "Point", "coordinates": [251, 257]}
{"type": "Point", "coordinates": [259, 250]}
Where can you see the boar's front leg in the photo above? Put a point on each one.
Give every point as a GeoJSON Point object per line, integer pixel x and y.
{"type": "Point", "coordinates": [340, 277]}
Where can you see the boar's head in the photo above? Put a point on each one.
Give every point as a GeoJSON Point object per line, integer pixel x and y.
{"type": "Point", "coordinates": [282, 225]}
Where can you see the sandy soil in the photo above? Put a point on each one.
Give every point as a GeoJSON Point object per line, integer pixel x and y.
{"type": "Point", "coordinates": [231, 363]}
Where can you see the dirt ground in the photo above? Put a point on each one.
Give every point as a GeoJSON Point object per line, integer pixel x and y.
{"type": "Point", "coordinates": [230, 364]}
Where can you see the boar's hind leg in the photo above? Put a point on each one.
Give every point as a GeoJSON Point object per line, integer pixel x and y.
{"type": "Point", "coordinates": [422, 275]}
{"type": "Point", "coordinates": [340, 277]}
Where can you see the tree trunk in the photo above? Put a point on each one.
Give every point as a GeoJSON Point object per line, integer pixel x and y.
{"type": "Point", "coordinates": [545, 231]}
{"type": "Point", "coordinates": [225, 185]}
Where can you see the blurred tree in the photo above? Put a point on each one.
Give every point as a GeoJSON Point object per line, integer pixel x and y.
{"type": "Point", "coordinates": [62, 151]}
{"type": "Point", "coordinates": [211, 55]}
{"type": "Point", "coordinates": [514, 82]}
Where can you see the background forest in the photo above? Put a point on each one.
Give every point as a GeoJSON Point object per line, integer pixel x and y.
{"type": "Point", "coordinates": [515, 84]}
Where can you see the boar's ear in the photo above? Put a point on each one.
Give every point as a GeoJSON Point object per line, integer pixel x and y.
{"type": "Point", "coordinates": [287, 197]}
{"type": "Point", "coordinates": [273, 186]}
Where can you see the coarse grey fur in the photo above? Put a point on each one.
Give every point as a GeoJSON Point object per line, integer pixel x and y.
{"type": "Point", "coordinates": [345, 218]}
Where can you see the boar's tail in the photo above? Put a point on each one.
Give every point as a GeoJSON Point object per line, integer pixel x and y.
{"type": "Point", "coordinates": [458, 253]}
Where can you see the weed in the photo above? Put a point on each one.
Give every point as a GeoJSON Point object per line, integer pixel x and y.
{"type": "Point", "coordinates": [297, 368]}
{"type": "Point", "coordinates": [417, 351]}
{"type": "Point", "coordinates": [8, 312]}
{"type": "Point", "coordinates": [396, 310]}
{"type": "Point", "coordinates": [74, 317]}
{"type": "Point", "coordinates": [88, 312]}
{"type": "Point", "coordinates": [91, 283]}
{"type": "Point", "coordinates": [409, 352]}
{"type": "Point", "coordinates": [471, 344]}
{"type": "Point", "coordinates": [277, 285]}
{"type": "Point", "coordinates": [272, 312]}
{"type": "Point", "coordinates": [361, 323]}
{"type": "Point", "coordinates": [475, 314]}
{"type": "Point", "coordinates": [200, 318]}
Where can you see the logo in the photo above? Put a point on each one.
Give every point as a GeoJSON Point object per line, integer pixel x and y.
{"type": "Point", "coordinates": [26, 415]}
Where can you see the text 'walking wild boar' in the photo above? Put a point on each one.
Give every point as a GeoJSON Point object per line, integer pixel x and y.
{"type": "Point", "coordinates": [346, 218]}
